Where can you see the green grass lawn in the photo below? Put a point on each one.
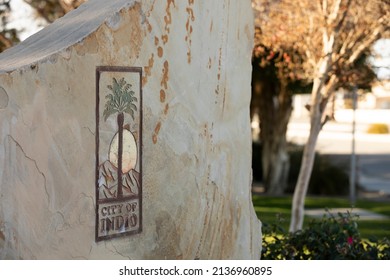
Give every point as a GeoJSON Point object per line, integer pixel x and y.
{"type": "Point", "coordinates": [268, 209]}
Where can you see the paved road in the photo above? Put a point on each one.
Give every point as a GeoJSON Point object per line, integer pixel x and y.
{"type": "Point", "coordinates": [373, 151]}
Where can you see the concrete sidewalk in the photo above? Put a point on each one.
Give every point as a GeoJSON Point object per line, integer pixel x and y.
{"type": "Point", "coordinates": [362, 214]}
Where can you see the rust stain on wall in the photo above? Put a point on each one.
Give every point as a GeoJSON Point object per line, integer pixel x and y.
{"type": "Point", "coordinates": [168, 16]}
{"type": "Point", "coordinates": [131, 38]}
{"type": "Point", "coordinates": [150, 28]}
{"type": "Point", "coordinates": [88, 45]}
{"type": "Point", "coordinates": [165, 77]}
{"type": "Point", "coordinates": [148, 70]}
{"type": "Point", "coordinates": [190, 12]}
{"type": "Point", "coordinates": [167, 20]}
{"type": "Point", "coordinates": [209, 64]}
{"type": "Point", "coordinates": [224, 99]}
{"type": "Point", "coordinates": [189, 28]}
{"type": "Point", "coordinates": [156, 131]}
{"type": "Point", "coordinates": [160, 51]}
{"type": "Point", "coordinates": [151, 8]}
{"type": "Point", "coordinates": [219, 70]}
{"type": "Point", "coordinates": [219, 63]}
{"type": "Point", "coordinates": [164, 38]}
{"type": "Point", "coordinates": [166, 109]}
{"type": "Point", "coordinates": [162, 96]}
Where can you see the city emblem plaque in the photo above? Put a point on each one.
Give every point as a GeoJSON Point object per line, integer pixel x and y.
{"type": "Point", "coordinates": [118, 180]}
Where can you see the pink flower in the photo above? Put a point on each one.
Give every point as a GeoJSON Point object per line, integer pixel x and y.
{"type": "Point", "coordinates": [350, 240]}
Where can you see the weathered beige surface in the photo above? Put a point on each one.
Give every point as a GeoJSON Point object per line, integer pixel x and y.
{"type": "Point", "coordinates": [196, 65]}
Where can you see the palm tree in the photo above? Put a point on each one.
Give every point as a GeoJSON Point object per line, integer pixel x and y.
{"type": "Point", "coordinates": [120, 101]}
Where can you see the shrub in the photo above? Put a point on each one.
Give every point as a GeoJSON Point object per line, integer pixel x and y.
{"type": "Point", "coordinates": [331, 238]}
{"type": "Point", "coordinates": [326, 178]}
{"type": "Point", "coordinates": [378, 128]}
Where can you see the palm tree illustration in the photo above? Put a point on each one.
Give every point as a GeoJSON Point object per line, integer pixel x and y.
{"type": "Point", "coordinates": [119, 102]}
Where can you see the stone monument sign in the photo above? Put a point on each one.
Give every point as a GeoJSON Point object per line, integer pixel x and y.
{"type": "Point", "coordinates": [125, 134]}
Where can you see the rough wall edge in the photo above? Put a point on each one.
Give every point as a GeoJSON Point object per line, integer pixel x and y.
{"type": "Point", "coordinates": [65, 32]}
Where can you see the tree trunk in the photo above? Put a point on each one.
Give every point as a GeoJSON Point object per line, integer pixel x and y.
{"type": "Point", "coordinates": [318, 104]}
{"type": "Point", "coordinates": [297, 212]}
{"type": "Point", "coordinates": [322, 87]}
{"type": "Point", "coordinates": [120, 120]}
{"type": "Point", "coordinates": [275, 160]}
{"type": "Point", "coordinates": [273, 102]}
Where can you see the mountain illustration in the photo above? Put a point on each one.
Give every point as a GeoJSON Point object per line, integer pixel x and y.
{"type": "Point", "coordinates": [108, 182]}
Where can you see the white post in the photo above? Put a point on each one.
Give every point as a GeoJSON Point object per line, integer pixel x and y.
{"type": "Point", "coordinates": [352, 178]}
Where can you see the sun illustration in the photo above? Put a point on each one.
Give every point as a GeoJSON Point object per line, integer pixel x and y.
{"type": "Point", "coordinates": [129, 156]}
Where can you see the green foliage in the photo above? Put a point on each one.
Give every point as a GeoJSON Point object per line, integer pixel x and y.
{"type": "Point", "coordinates": [120, 100]}
{"type": "Point", "coordinates": [269, 207]}
{"type": "Point", "coordinates": [378, 128]}
{"type": "Point", "coordinates": [331, 238]}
